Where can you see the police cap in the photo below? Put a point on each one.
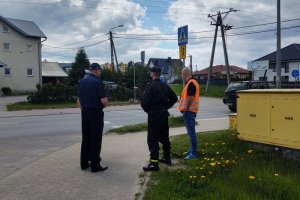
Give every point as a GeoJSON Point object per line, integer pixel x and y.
{"type": "Point", "coordinates": [94, 66]}
{"type": "Point", "coordinates": [155, 69]}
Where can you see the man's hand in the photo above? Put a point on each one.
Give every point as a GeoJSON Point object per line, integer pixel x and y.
{"type": "Point", "coordinates": [104, 102]}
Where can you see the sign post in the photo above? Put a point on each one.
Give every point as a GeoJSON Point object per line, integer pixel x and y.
{"type": "Point", "coordinates": [182, 42]}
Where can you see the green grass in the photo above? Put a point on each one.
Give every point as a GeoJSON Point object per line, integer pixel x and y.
{"type": "Point", "coordinates": [214, 91]}
{"type": "Point", "coordinates": [223, 171]}
{"type": "Point", "coordinates": [173, 122]}
{"type": "Point", "coordinates": [29, 106]}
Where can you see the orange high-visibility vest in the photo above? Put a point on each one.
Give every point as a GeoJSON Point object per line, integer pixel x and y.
{"type": "Point", "coordinates": [183, 98]}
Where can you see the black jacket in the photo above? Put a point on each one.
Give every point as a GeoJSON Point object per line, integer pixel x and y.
{"type": "Point", "coordinates": [158, 96]}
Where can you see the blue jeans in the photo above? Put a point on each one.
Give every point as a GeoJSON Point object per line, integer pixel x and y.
{"type": "Point", "coordinates": [190, 122]}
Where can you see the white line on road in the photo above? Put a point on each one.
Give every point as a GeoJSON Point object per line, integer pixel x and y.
{"type": "Point", "coordinates": [107, 122]}
{"type": "Point", "coordinates": [9, 123]}
{"type": "Point", "coordinates": [210, 119]}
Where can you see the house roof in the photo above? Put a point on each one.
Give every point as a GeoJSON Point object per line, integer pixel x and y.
{"type": "Point", "coordinates": [222, 69]}
{"type": "Point", "coordinates": [26, 28]}
{"type": "Point", "coordinates": [288, 53]}
{"type": "Point", "coordinates": [52, 69]}
{"type": "Point", "coordinates": [2, 64]}
{"type": "Point", "coordinates": [164, 63]}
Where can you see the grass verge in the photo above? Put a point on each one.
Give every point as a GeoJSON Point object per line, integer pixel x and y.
{"type": "Point", "coordinates": [227, 169]}
{"type": "Point", "coordinates": [173, 122]}
{"type": "Point", "coordinates": [214, 91]}
{"type": "Point", "coordinates": [29, 106]}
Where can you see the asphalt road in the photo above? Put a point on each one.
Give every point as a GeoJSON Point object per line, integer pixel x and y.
{"type": "Point", "coordinates": [27, 136]}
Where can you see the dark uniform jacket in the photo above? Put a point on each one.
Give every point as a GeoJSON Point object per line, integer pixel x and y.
{"type": "Point", "coordinates": [158, 98]}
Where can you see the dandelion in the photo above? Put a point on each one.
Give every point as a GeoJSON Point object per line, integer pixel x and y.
{"type": "Point", "coordinates": [210, 172]}
{"type": "Point", "coordinates": [212, 159]}
{"type": "Point", "coordinates": [202, 176]}
{"type": "Point", "coordinates": [212, 144]}
{"type": "Point", "coordinates": [201, 168]}
{"type": "Point", "coordinates": [217, 153]}
{"type": "Point", "coordinates": [197, 168]}
{"type": "Point", "coordinates": [219, 163]}
{"type": "Point", "coordinates": [212, 164]}
{"type": "Point", "coordinates": [191, 177]}
{"type": "Point", "coordinates": [250, 151]}
{"type": "Point", "coordinates": [178, 171]}
{"type": "Point", "coordinates": [194, 176]}
{"type": "Point", "coordinates": [223, 143]}
{"type": "Point", "coordinates": [276, 174]}
{"type": "Point", "coordinates": [252, 177]}
{"type": "Point", "coordinates": [227, 161]}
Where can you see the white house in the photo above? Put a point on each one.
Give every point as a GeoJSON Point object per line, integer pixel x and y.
{"type": "Point", "coordinates": [20, 53]}
{"type": "Point", "coordinates": [266, 65]}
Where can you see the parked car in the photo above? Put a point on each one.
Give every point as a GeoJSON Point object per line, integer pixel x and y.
{"type": "Point", "coordinates": [230, 93]}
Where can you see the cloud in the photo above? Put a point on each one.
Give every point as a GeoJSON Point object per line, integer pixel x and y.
{"type": "Point", "coordinates": [86, 23]}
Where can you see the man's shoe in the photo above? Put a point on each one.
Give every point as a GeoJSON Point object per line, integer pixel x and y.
{"type": "Point", "coordinates": [99, 168]}
{"type": "Point", "coordinates": [151, 167]}
{"type": "Point", "coordinates": [187, 152]}
{"type": "Point", "coordinates": [85, 166]}
{"type": "Point", "coordinates": [191, 156]}
{"type": "Point", "coordinates": [165, 161]}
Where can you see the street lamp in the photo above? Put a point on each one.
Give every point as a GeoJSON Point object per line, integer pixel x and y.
{"type": "Point", "coordinates": [134, 92]}
{"type": "Point", "coordinates": [191, 64]}
{"type": "Point", "coordinates": [112, 46]}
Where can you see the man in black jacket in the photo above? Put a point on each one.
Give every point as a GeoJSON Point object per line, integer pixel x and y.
{"type": "Point", "coordinates": [157, 99]}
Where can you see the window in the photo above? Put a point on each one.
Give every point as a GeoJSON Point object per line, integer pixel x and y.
{"type": "Point", "coordinates": [29, 47]}
{"type": "Point", "coordinates": [6, 47]}
{"type": "Point", "coordinates": [286, 67]}
{"type": "Point", "coordinates": [7, 71]}
{"type": "Point", "coordinates": [29, 72]}
{"type": "Point", "coordinates": [5, 29]}
{"type": "Point", "coordinates": [272, 66]}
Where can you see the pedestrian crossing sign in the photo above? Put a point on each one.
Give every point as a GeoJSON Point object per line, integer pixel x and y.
{"type": "Point", "coordinates": [182, 35]}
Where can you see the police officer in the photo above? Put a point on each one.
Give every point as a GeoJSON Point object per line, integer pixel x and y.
{"type": "Point", "coordinates": [157, 99]}
{"type": "Point", "coordinates": [91, 99]}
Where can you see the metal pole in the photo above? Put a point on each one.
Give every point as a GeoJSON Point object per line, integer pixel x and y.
{"type": "Point", "coordinates": [191, 64]}
{"type": "Point", "coordinates": [278, 53]}
{"type": "Point", "coordinates": [225, 53]}
{"type": "Point", "coordinates": [212, 57]}
{"type": "Point", "coordinates": [134, 93]}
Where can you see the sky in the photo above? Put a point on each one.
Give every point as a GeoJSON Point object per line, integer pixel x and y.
{"type": "Point", "coordinates": [152, 26]}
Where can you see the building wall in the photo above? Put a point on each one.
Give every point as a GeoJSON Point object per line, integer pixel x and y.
{"type": "Point", "coordinates": [18, 60]}
{"type": "Point", "coordinates": [257, 74]}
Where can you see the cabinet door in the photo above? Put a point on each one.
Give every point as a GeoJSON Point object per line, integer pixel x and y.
{"type": "Point", "coordinates": [285, 120]}
{"type": "Point", "coordinates": [253, 111]}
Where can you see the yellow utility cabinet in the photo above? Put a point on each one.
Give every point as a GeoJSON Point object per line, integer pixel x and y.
{"type": "Point", "coordinates": [269, 116]}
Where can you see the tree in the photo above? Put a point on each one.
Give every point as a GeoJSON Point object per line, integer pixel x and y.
{"type": "Point", "coordinates": [81, 63]}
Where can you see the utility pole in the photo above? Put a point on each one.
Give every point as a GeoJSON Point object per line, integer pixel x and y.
{"type": "Point", "coordinates": [278, 53]}
{"type": "Point", "coordinates": [113, 49]}
{"type": "Point", "coordinates": [219, 22]}
{"type": "Point", "coordinates": [134, 93]}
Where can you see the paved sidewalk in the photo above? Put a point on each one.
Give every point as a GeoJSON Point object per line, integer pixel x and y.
{"type": "Point", "coordinates": [58, 175]}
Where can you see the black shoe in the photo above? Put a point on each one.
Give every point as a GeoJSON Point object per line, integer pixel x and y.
{"type": "Point", "coordinates": [151, 167]}
{"type": "Point", "coordinates": [85, 166]}
{"type": "Point", "coordinates": [165, 161]}
{"type": "Point", "coordinates": [99, 168]}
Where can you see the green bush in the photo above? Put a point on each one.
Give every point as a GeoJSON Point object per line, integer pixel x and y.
{"type": "Point", "coordinates": [50, 93]}
{"type": "Point", "coordinates": [6, 90]}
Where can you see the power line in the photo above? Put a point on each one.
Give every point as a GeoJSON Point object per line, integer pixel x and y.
{"type": "Point", "coordinates": [78, 42]}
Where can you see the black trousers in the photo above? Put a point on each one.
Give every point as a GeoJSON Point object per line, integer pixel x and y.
{"type": "Point", "coordinates": [92, 128]}
{"type": "Point", "coordinates": [158, 132]}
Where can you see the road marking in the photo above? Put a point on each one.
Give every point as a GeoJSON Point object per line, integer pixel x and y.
{"type": "Point", "coordinates": [9, 123]}
{"type": "Point", "coordinates": [107, 122]}
{"type": "Point", "coordinates": [116, 126]}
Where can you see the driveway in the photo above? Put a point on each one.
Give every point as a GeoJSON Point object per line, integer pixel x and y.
{"type": "Point", "coordinates": [5, 100]}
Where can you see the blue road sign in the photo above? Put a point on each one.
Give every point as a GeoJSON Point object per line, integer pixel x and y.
{"type": "Point", "coordinates": [183, 35]}
{"type": "Point", "coordinates": [295, 73]}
